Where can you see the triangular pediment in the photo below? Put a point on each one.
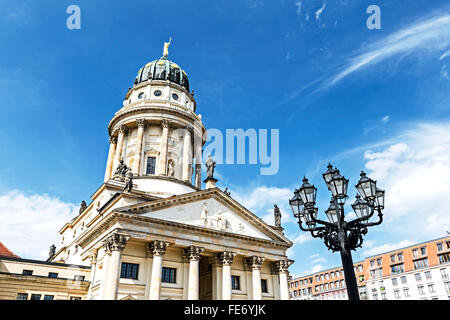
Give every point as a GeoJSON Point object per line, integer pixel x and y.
{"type": "Point", "coordinates": [210, 209]}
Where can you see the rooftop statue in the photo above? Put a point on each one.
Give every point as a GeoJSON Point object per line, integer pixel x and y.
{"type": "Point", "coordinates": [210, 165]}
{"type": "Point", "coordinates": [277, 215]}
{"type": "Point", "coordinates": [166, 48]}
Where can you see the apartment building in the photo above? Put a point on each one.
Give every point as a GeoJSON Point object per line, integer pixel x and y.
{"type": "Point", "coordinates": [420, 271]}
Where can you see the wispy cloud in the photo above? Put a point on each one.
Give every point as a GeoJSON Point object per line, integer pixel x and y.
{"type": "Point", "coordinates": [298, 4]}
{"type": "Point", "coordinates": [386, 248]}
{"type": "Point", "coordinates": [430, 34]}
{"type": "Point", "coordinates": [320, 11]}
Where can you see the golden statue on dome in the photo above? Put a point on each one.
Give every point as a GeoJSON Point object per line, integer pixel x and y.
{"type": "Point", "coordinates": [166, 48]}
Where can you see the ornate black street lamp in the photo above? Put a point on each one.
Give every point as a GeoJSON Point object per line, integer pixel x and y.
{"type": "Point", "coordinates": [338, 234]}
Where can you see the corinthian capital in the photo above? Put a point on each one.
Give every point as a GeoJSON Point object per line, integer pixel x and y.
{"type": "Point", "coordinates": [165, 123]}
{"type": "Point", "coordinates": [140, 123]}
{"type": "Point", "coordinates": [122, 128]}
{"type": "Point", "coordinates": [225, 258]}
{"type": "Point", "coordinates": [193, 253]}
{"type": "Point", "coordinates": [254, 262]}
{"type": "Point", "coordinates": [115, 242]}
{"type": "Point", "coordinates": [281, 266]}
{"type": "Point", "coordinates": [112, 140]}
{"type": "Point", "coordinates": [157, 247]}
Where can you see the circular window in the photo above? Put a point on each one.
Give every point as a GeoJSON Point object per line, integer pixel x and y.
{"type": "Point", "coordinates": [141, 95]}
{"type": "Point", "coordinates": [157, 93]}
{"type": "Point", "coordinates": [174, 96]}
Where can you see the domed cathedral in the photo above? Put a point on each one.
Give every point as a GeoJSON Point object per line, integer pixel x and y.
{"type": "Point", "coordinates": [151, 231]}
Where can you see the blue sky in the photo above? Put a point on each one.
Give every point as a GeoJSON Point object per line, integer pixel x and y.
{"type": "Point", "coordinates": [376, 100]}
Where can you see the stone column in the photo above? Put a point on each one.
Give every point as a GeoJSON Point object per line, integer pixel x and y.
{"type": "Point", "coordinates": [139, 141]}
{"type": "Point", "coordinates": [198, 160]}
{"type": "Point", "coordinates": [156, 248]}
{"type": "Point", "coordinates": [105, 272]}
{"type": "Point", "coordinates": [162, 168]}
{"type": "Point", "coordinates": [254, 263]}
{"type": "Point", "coordinates": [193, 255]}
{"type": "Point", "coordinates": [281, 267]}
{"type": "Point", "coordinates": [226, 259]}
{"type": "Point", "coordinates": [119, 147]}
{"type": "Point", "coordinates": [93, 261]}
{"type": "Point", "coordinates": [115, 244]}
{"type": "Point", "coordinates": [187, 155]}
{"type": "Point", "coordinates": [109, 163]}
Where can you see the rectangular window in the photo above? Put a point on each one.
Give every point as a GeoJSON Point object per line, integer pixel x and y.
{"type": "Point", "coordinates": [421, 263]}
{"type": "Point", "coordinates": [447, 243]}
{"type": "Point", "coordinates": [27, 272]}
{"type": "Point", "coordinates": [169, 275]}
{"type": "Point", "coordinates": [447, 286]}
{"type": "Point", "coordinates": [444, 258]}
{"type": "Point", "coordinates": [22, 296]}
{"type": "Point", "coordinates": [375, 296]}
{"type": "Point", "coordinates": [264, 286]}
{"type": "Point", "coordinates": [406, 292]}
{"type": "Point", "coordinates": [48, 297]}
{"type": "Point", "coordinates": [431, 288]}
{"type": "Point", "coordinates": [397, 268]}
{"type": "Point", "coordinates": [400, 256]}
{"type": "Point", "coordinates": [394, 281]}
{"type": "Point", "coordinates": [415, 253]}
{"type": "Point", "coordinates": [444, 273]}
{"type": "Point", "coordinates": [403, 279]}
{"type": "Point", "coordinates": [235, 283]}
{"type": "Point", "coordinates": [393, 258]}
{"type": "Point", "coordinates": [372, 263]}
{"type": "Point", "coordinates": [151, 165]}
{"type": "Point", "coordinates": [418, 277]}
{"type": "Point", "coordinates": [52, 275]}
{"type": "Point", "coordinates": [129, 271]}
{"type": "Point", "coordinates": [397, 294]}
{"type": "Point", "coordinates": [378, 261]}
{"type": "Point", "coordinates": [383, 296]}
{"type": "Point", "coordinates": [428, 275]}
{"type": "Point", "coordinates": [439, 246]}
{"type": "Point", "coordinates": [78, 278]}
{"type": "Point", "coordinates": [423, 251]}
{"type": "Point", "coordinates": [35, 297]}
{"type": "Point", "coordinates": [421, 291]}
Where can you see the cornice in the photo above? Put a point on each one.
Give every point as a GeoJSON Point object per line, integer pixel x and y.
{"type": "Point", "coordinates": [148, 109]}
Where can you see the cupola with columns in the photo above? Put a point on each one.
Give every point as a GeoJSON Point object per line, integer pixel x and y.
{"type": "Point", "coordinates": [157, 132]}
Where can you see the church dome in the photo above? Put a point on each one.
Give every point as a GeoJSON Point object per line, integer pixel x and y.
{"type": "Point", "coordinates": [163, 69]}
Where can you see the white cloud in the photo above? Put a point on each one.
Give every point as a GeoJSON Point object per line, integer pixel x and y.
{"type": "Point", "coordinates": [415, 172]}
{"type": "Point", "coordinates": [385, 119]}
{"type": "Point", "coordinates": [386, 248]}
{"type": "Point", "coordinates": [430, 34]}
{"type": "Point", "coordinates": [260, 201]}
{"type": "Point", "coordinates": [29, 223]}
{"type": "Point", "coordinates": [320, 11]}
{"type": "Point", "coordinates": [298, 4]}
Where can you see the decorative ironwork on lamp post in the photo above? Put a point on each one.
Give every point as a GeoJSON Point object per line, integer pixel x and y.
{"type": "Point", "coordinates": [338, 234]}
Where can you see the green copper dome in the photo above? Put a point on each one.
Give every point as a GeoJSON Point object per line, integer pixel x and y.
{"type": "Point", "coordinates": [163, 69]}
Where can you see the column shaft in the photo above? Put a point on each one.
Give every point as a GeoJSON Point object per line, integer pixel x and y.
{"type": "Point", "coordinates": [163, 149]}
{"type": "Point", "coordinates": [256, 284]}
{"type": "Point", "coordinates": [105, 276]}
{"type": "Point", "coordinates": [284, 289]}
{"type": "Point", "coordinates": [119, 147]}
{"type": "Point", "coordinates": [113, 281]}
{"type": "Point", "coordinates": [186, 155]}
{"type": "Point", "coordinates": [155, 281]}
{"type": "Point", "coordinates": [193, 289]}
{"type": "Point", "coordinates": [139, 142]}
{"type": "Point", "coordinates": [109, 163]}
{"type": "Point", "coordinates": [226, 282]}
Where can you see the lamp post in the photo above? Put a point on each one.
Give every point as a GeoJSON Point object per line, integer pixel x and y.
{"type": "Point", "coordinates": [338, 234]}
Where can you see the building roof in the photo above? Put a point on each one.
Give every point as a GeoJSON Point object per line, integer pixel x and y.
{"type": "Point", "coordinates": [5, 252]}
